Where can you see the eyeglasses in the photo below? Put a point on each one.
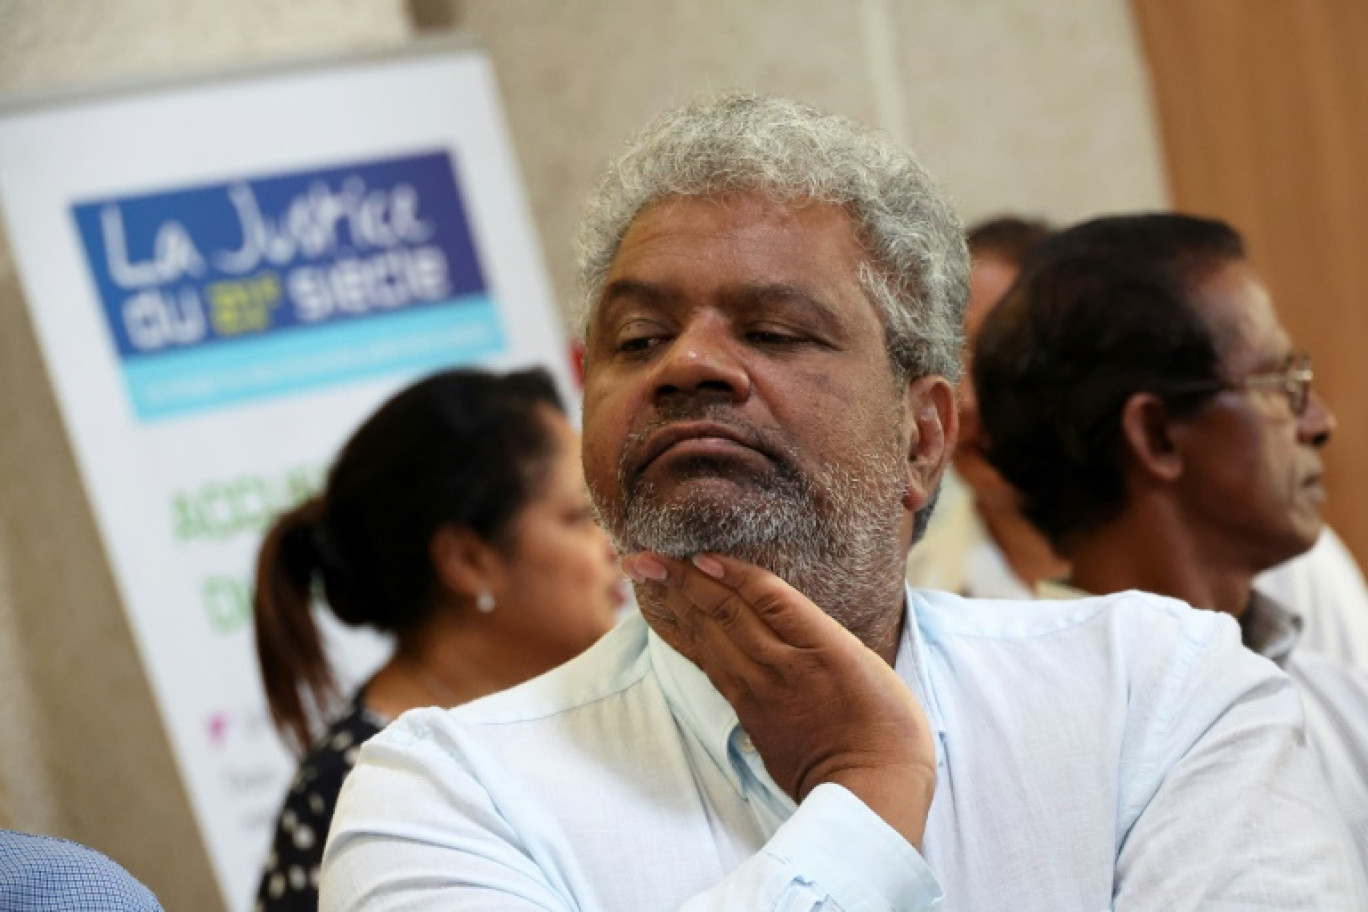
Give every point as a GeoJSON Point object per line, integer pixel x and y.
{"type": "Point", "coordinates": [1294, 381]}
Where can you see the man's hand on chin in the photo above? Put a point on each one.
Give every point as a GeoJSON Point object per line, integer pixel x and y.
{"type": "Point", "coordinates": [817, 703]}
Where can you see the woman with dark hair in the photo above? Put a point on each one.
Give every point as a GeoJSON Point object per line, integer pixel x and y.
{"type": "Point", "coordinates": [456, 519]}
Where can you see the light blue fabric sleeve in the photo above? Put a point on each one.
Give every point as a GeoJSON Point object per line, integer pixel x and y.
{"type": "Point", "coordinates": [418, 832]}
{"type": "Point", "coordinates": [1225, 776]}
{"type": "Point", "coordinates": [46, 874]}
{"type": "Point", "coordinates": [833, 854]}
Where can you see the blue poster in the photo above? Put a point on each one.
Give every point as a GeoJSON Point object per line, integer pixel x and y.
{"type": "Point", "coordinates": [229, 292]}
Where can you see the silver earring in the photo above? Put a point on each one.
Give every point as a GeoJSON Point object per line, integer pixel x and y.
{"type": "Point", "coordinates": [484, 602]}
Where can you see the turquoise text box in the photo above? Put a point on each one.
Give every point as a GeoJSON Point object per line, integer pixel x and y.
{"type": "Point", "coordinates": [419, 341]}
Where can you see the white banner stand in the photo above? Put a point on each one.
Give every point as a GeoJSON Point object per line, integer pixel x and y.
{"type": "Point", "coordinates": [226, 275]}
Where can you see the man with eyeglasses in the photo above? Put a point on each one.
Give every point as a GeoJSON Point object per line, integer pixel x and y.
{"type": "Point", "coordinates": [1139, 391]}
{"type": "Point", "coordinates": [979, 544]}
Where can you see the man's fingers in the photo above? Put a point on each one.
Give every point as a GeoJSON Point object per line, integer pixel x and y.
{"type": "Point", "coordinates": [643, 567]}
{"type": "Point", "coordinates": [697, 599]}
{"type": "Point", "coordinates": [754, 604]}
{"type": "Point", "coordinates": [736, 673]}
{"type": "Point", "coordinates": [784, 610]}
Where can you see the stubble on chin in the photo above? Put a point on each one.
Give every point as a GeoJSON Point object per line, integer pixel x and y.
{"type": "Point", "coordinates": [833, 537]}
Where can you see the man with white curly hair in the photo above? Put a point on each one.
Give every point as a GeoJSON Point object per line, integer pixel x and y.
{"type": "Point", "coordinates": [774, 298]}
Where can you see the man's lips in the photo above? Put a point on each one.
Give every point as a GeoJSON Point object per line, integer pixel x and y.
{"type": "Point", "coordinates": [696, 437]}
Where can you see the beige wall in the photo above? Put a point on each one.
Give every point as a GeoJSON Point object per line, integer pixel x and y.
{"type": "Point", "coordinates": [1026, 104]}
{"type": "Point", "coordinates": [1035, 105]}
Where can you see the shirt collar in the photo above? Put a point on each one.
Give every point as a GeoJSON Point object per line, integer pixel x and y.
{"type": "Point", "coordinates": [1268, 628]}
{"type": "Point", "coordinates": [701, 710]}
{"type": "Point", "coordinates": [708, 717]}
{"type": "Point", "coordinates": [912, 665]}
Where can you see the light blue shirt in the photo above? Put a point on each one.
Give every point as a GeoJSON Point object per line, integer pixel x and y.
{"type": "Point", "coordinates": [46, 874]}
{"type": "Point", "coordinates": [1123, 752]}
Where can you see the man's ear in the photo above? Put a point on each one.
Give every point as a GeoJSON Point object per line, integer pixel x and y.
{"type": "Point", "coordinates": [463, 563]}
{"type": "Point", "coordinates": [1148, 431]}
{"type": "Point", "coordinates": [931, 423]}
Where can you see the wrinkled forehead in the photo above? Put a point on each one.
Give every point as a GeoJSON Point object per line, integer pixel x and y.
{"type": "Point", "coordinates": [746, 243]}
{"type": "Point", "coordinates": [693, 208]}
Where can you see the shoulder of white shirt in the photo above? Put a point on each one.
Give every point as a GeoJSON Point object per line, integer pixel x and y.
{"type": "Point", "coordinates": [1056, 611]}
{"type": "Point", "coordinates": [617, 662]}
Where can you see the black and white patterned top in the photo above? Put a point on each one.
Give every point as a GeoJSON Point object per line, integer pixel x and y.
{"type": "Point", "coordinates": [289, 882]}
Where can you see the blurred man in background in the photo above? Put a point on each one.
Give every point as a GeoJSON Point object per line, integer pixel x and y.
{"type": "Point", "coordinates": [980, 544]}
{"type": "Point", "coordinates": [1139, 391]}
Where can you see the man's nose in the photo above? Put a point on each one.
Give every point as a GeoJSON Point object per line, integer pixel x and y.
{"type": "Point", "coordinates": [1317, 423]}
{"type": "Point", "coordinates": [703, 358]}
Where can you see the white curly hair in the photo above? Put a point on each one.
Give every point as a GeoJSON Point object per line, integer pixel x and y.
{"type": "Point", "coordinates": [917, 269]}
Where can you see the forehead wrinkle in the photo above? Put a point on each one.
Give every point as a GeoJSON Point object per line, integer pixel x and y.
{"type": "Point", "coordinates": [741, 294]}
{"type": "Point", "coordinates": [636, 289]}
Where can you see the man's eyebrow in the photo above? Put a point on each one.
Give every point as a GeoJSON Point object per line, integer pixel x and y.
{"type": "Point", "coordinates": [787, 297]}
{"type": "Point", "coordinates": [748, 297]}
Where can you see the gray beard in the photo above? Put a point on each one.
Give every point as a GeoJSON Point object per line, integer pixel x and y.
{"type": "Point", "coordinates": [833, 537]}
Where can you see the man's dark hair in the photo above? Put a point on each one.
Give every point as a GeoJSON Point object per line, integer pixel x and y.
{"type": "Point", "coordinates": [1007, 237]}
{"type": "Point", "coordinates": [1102, 311]}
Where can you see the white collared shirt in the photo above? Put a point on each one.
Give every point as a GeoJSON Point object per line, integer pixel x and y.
{"type": "Point", "coordinates": [958, 554]}
{"type": "Point", "coordinates": [1122, 752]}
{"type": "Point", "coordinates": [1326, 588]}
{"type": "Point", "coordinates": [1334, 698]}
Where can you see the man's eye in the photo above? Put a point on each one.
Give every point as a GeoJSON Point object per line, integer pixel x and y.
{"type": "Point", "coordinates": [772, 337]}
{"type": "Point", "coordinates": [638, 344]}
